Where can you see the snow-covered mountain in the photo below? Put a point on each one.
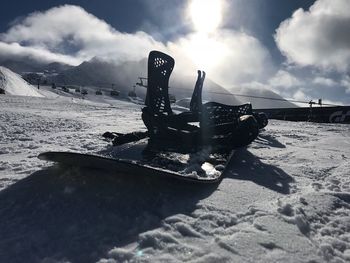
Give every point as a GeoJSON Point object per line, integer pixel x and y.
{"type": "Point", "coordinates": [11, 83]}
{"type": "Point", "coordinates": [104, 74]}
{"type": "Point", "coordinates": [123, 77]}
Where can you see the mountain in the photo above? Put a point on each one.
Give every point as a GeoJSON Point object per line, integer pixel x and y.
{"type": "Point", "coordinates": [103, 74]}
{"type": "Point", "coordinates": [123, 77]}
{"type": "Point", "coordinates": [22, 66]}
{"type": "Point", "coordinates": [261, 98]}
{"type": "Point", "coordinates": [56, 67]}
{"type": "Point", "coordinates": [11, 83]}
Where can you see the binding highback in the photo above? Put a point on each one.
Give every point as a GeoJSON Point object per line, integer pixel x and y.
{"type": "Point", "coordinates": [196, 100]}
{"type": "Point", "coordinates": [160, 66]}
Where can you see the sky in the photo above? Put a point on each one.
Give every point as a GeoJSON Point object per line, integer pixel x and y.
{"type": "Point", "coordinates": [299, 49]}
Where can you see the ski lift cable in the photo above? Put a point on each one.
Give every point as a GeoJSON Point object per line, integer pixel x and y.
{"type": "Point", "coordinates": [269, 98]}
{"type": "Point", "coordinates": [264, 98]}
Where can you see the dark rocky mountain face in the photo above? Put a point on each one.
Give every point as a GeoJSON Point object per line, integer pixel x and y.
{"type": "Point", "coordinates": [57, 67]}
{"type": "Point", "coordinates": [24, 65]}
{"type": "Point", "coordinates": [103, 74]}
{"type": "Point", "coordinates": [20, 66]}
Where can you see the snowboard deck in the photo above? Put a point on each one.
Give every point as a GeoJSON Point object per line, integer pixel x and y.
{"type": "Point", "coordinates": [136, 159]}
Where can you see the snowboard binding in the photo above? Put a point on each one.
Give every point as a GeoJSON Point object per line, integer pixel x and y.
{"type": "Point", "coordinates": [177, 147]}
{"type": "Point", "coordinates": [222, 127]}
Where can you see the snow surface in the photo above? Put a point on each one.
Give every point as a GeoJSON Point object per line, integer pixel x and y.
{"type": "Point", "coordinates": [286, 197]}
{"type": "Point", "coordinates": [13, 84]}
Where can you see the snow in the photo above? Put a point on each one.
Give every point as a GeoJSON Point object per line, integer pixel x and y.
{"type": "Point", "coordinates": [13, 84]}
{"type": "Point", "coordinates": [285, 198]}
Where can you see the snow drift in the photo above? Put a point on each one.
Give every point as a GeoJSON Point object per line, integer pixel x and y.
{"type": "Point", "coordinates": [11, 83]}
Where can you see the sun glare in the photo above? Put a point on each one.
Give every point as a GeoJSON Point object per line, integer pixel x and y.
{"type": "Point", "coordinates": [205, 52]}
{"type": "Point", "coordinates": [206, 15]}
{"type": "Point", "coordinates": [203, 46]}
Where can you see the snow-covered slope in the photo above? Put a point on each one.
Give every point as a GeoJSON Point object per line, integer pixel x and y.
{"type": "Point", "coordinates": [285, 198]}
{"type": "Point", "coordinates": [13, 84]}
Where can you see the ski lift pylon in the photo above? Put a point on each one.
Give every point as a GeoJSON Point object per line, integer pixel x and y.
{"type": "Point", "coordinates": [141, 83]}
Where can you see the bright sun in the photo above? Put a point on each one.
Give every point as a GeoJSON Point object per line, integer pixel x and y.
{"type": "Point", "coordinates": [206, 15]}
{"type": "Point", "coordinates": [205, 52]}
{"type": "Point", "coordinates": [204, 47]}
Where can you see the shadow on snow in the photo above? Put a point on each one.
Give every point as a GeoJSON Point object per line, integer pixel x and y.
{"type": "Point", "coordinates": [246, 166]}
{"type": "Point", "coordinates": [269, 140]}
{"type": "Point", "coordinates": [78, 215]}
{"type": "Point", "coordinates": [75, 214]}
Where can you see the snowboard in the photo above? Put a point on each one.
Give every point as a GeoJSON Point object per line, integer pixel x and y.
{"type": "Point", "coordinates": [136, 159]}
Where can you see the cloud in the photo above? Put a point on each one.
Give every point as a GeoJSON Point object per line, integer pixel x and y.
{"type": "Point", "coordinates": [287, 85]}
{"type": "Point", "coordinates": [307, 84]}
{"type": "Point", "coordinates": [299, 95]}
{"type": "Point", "coordinates": [15, 50]}
{"type": "Point", "coordinates": [345, 82]}
{"type": "Point", "coordinates": [229, 57]}
{"type": "Point", "coordinates": [69, 34]}
{"type": "Point", "coordinates": [319, 37]}
{"type": "Point", "coordinates": [232, 58]}
{"type": "Point", "coordinates": [284, 79]}
{"type": "Point", "coordinates": [338, 85]}
{"type": "Point", "coordinates": [324, 81]}
{"type": "Point", "coordinates": [316, 44]}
